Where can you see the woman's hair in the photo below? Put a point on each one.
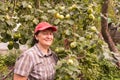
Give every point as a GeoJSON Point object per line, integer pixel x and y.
{"type": "Point", "coordinates": [34, 40]}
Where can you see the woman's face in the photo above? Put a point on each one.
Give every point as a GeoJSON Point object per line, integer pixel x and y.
{"type": "Point", "coordinates": [45, 37]}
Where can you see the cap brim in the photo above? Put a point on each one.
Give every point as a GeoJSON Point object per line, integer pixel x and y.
{"type": "Point", "coordinates": [54, 28]}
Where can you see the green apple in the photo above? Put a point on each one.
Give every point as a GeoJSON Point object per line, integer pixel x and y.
{"type": "Point", "coordinates": [62, 7]}
{"type": "Point", "coordinates": [89, 10]}
{"type": "Point", "coordinates": [91, 17]}
{"type": "Point", "coordinates": [70, 61]}
{"type": "Point", "coordinates": [7, 17]}
{"type": "Point", "coordinates": [93, 29]}
{"type": "Point", "coordinates": [10, 45]}
{"type": "Point", "coordinates": [59, 49]}
{"type": "Point", "coordinates": [73, 44]}
{"type": "Point", "coordinates": [67, 16]}
{"type": "Point", "coordinates": [59, 16]}
{"type": "Point", "coordinates": [29, 6]}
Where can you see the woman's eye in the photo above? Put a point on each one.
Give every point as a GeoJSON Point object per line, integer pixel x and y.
{"type": "Point", "coordinates": [51, 33]}
{"type": "Point", "coordinates": [48, 33]}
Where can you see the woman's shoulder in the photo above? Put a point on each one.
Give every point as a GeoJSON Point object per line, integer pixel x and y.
{"type": "Point", "coordinates": [28, 52]}
{"type": "Point", "coordinates": [55, 56]}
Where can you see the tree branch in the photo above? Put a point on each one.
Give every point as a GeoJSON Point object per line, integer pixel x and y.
{"type": "Point", "coordinates": [4, 78]}
{"type": "Point", "coordinates": [104, 29]}
{"type": "Point", "coordinates": [37, 3]}
{"type": "Point", "coordinates": [106, 34]}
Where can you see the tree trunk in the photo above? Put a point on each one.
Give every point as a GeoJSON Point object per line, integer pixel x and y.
{"type": "Point", "coordinates": [106, 34]}
{"type": "Point", "coordinates": [2, 0]}
{"type": "Point", "coordinates": [37, 3]}
{"type": "Point", "coordinates": [104, 29]}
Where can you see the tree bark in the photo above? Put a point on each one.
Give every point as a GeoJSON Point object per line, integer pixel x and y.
{"type": "Point", "coordinates": [2, 0]}
{"type": "Point", "coordinates": [106, 34]}
{"type": "Point", "coordinates": [104, 29]}
{"type": "Point", "coordinates": [37, 3]}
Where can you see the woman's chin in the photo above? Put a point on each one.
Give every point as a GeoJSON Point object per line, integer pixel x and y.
{"type": "Point", "coordinates": [48, 44]}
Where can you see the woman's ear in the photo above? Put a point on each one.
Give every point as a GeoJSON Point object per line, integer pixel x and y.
{"type": "Point", "coordinates": [36, 37]}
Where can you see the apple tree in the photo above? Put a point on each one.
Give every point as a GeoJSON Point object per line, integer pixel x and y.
{"type": "Point", "coordinates": [80, 49]}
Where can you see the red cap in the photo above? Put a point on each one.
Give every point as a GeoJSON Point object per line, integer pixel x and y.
{"type": "Point", "coordinates": [44, 25]}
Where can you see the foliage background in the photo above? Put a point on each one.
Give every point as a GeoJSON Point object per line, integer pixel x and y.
{"type": "Point", "coordinates": [81, 50]}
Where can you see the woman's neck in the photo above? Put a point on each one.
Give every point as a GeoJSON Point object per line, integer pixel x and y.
{"type": "Point", "coordinates": [43, 49]}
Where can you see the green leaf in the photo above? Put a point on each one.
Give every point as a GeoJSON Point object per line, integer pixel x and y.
{"type": "Point", "coordinates": [71, 22]}
{"type": "Point", "coordinates": [3, 34]}
{"type": "Point", "coordinates": [91, 50]}
{"type": "Point", "coordinates": [10, 22]}
{"type": "Point", "coordinates": [57, 21]}
{"type": "Point", "coordinates": [72, 68]}
{"type": "Point", "coordinates": [117, 79]}
{"type": "Point", "coordinates": [5, 37]}
{"type": "Point", "coordinates": [3, 7]}
{"type": "Point", "coordinates": [53, 11]}
{"type": "Point", "coordinates": [2, 17]}
{"type": "Point", "coordinates": [47, 4]}
{"type": "Point", "coordinates": [35, 21]}
{"type": "Point", "coordinates": [22, 41]}
{"type": "Point", "coordinates": [10, 46]}
{"type": "Point", "coordinates": [28, 17]}
{"type": "Point", "coordinates": [16, 45]}
{"type": "Point", "coordinates": [8, 37]}
{"type": "Point", "coordinates": [44, 18]}
{"type": "Point", "coordinates": [24, 4]}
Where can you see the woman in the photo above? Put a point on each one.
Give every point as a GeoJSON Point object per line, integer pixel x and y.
{"type": "Point", "coordinates": [38, 62]}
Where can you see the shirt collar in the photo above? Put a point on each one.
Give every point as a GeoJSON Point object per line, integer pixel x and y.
{"type": "Point", "coordinates": [42, 54]}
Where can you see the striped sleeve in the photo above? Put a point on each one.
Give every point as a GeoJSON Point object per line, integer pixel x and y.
{"type": "Point", "coordinates": [55, 56]}
{"type": "Point", "coordinates": [23, 65]}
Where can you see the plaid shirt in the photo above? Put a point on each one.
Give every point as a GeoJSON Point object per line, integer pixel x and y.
{"type": "Point", "coordinates": [35, 65]}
